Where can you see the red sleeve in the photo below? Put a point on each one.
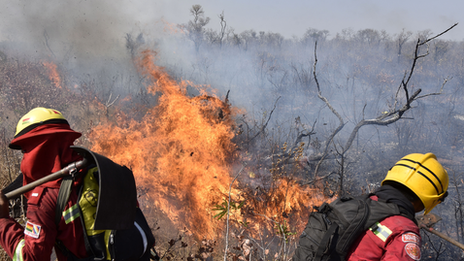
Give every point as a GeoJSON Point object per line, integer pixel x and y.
{"type": "Point", "coordinates": [11, 232]}
{"type": "Point", "coordinates": [399, 239]}
{"type": "Point", "coordinates": [39, 232]}
{"type": "Point", "coordinates": [404, 243]}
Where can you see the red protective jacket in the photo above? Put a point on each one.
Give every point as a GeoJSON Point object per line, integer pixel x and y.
{"type": "Point", "coordinates": [35, 240]}
{"type": "Point", "coordinates": [396, 238]}
{"type": "Point", "coordinates": [45, 150]}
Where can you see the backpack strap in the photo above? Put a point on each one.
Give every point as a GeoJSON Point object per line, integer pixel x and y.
{"type": "Point", "coordinates": [384, 232]}
{"type": "Point", "coordinates": [325, 240]}
{"type": "Point", "coordinates": [61, 201]}
{"type": "Point", "coordinates": [63, 197]}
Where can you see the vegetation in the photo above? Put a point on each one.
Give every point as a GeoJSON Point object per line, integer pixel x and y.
{"type": "Point", "coordinates": [322, 114]}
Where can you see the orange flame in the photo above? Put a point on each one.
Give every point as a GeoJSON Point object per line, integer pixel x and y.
{"type": "Point", "coordinates": [286, 201]}
{"type": "Point", "coordinates": [53, 74]}
{"type": "Point", "coordinates": [170, 28]}
{"type": "Point", "coordinates": [182, 151]}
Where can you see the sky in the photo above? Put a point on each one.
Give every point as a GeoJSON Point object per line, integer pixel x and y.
{"type": "Point", "coordinates": [86, 27]}
{"type": "Point", "coordinates": [294, 17]}
{"type": "Point", "coordinates": [289, 18]}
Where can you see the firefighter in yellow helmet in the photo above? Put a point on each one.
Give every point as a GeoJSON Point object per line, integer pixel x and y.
{"type": "Point", "coordinates": [44, 136]}
{"type": "Point", "coordinates": [415, 183]}
{"type": "Point", "coordinates": [424, 176]}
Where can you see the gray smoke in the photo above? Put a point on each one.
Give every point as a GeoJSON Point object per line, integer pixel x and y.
{"type": "Point", "coordinates": [73, 31]}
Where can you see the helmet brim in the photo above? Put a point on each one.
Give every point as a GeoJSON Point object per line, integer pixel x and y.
{"type": "Point", "coordinates": [48, 129]}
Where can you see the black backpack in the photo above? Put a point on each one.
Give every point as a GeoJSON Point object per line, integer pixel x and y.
{"type": "Point", "coordinates": [334, 227]}
{"type": "Point", "coordinates": [115, 228]}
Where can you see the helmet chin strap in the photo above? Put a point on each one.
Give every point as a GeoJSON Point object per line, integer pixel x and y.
{"type": "Point", "coordinates": [418, 206]}
{"type": "Point", "coordinates": [443, 198]}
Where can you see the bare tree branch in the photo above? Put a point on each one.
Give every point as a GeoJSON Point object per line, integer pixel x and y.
{"type": "Point", "coordinates": [326, 101]}
{"type": "Point", "coordinates": [440, 34]}
{"type": "Point", "coordinates": [436, 93]}
{"type": "Point", "coordinates": [268, 119]}
{"type": "Point", "coordinates": [110, 103]}
{"type": "Point", "coordinates": [303, 134]}
{"type": "Point", "coordinates": [396, 114]}
{"type": "Point", "coordinates": [46, 37]}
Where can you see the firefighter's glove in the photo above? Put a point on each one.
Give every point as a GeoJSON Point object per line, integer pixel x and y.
{"type": "Point", "coordinates": [4, 206]}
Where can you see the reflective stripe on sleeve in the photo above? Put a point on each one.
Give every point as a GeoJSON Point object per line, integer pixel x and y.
{"type": "Point", "coordinates": [18, 255]}
{"type": "Point", "coordinates": [71, 214]}
{"type": "Point", "coordinates": [381, 231]}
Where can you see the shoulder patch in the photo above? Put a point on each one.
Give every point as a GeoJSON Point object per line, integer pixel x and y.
{"type": "Point", "coordinates": [410, 237]}
{"type": "Point", "coordinates": [413, 250]}
{"type": "Point", "coordinates": [32, 230]}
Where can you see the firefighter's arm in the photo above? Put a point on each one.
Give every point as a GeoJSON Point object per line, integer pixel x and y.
{"type": "Point", "coordinates": [40, 230]}
{"type": "Point", "coordinates": [403, 246]}
{"type": "Point", "coordinates": [35, 240]}
{"type": "Point", "coordinates": [11, 232]}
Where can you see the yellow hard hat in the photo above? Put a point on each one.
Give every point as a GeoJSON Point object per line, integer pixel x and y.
{"type": "Point", "coordinates": [423, 175]}
{"type": "Point", "coordinates": [37, 117]}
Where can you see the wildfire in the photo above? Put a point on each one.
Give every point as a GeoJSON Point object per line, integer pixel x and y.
{"type": "Point", "coordinates": [53, 74]}
{"type": "Point", "coordinates": [286, 203]}
{"type": "Point", "coordinates": [169, 27]}
{"type": "Point", "coordinates": [182, 152]}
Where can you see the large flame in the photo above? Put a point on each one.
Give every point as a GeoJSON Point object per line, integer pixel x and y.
{"type": "Point", "coordinates": [180, 150]}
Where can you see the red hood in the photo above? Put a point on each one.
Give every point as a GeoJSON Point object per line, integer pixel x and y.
{"type": "Point", "coordinates": [46, 150]}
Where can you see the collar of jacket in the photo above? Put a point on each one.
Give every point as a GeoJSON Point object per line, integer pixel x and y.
{"type": "Point", "coordinates": [391, 194]}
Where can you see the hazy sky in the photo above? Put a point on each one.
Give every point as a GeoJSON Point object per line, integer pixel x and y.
{"type": "Point", "coordinates": [93, 26]}
{"type": "Point", "coordinates": [293, 17]}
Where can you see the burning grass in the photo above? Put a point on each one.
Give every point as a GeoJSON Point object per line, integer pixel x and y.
{"type": "Point", "coordinates": [183, 155]}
